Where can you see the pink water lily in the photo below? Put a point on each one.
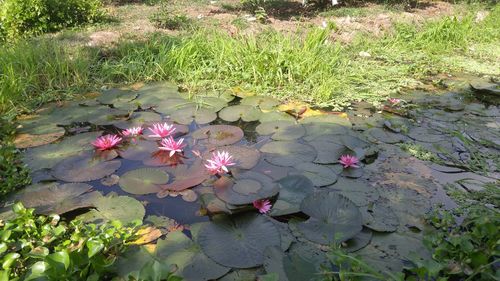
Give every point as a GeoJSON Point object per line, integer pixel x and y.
{"type": "Point", "coordinates": [349, 161]}
{"type": "Point", "coordinates": [220, 162]}
{"type": "Point", "coordinates": [106, 142]}
{"type": "Point", "coordinates": [394, 100]}
{"type": "Point", "coordinates": [161, 130]}
{"type": "Point", "coordinates": [263, 205]}
{"type": "Point", "coordinates": [132, 132]}
{"type": "Point", "coordinates": [169, 144]}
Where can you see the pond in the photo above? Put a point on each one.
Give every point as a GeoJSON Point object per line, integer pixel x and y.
{"type": "Point", "coordinates": [302, 180]}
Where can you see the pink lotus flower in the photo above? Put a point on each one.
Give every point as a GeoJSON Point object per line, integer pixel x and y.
{"type": "Point", "coordinates": [219, 162]}
{"type": "Point", "coordinates": [262, 205]}
{"type": "Point", "coordinates": [349, 161]}
{"type": "Point", "coordinates": [394, 100]}
{"type": "Point", "coordinates": [160, 130]}
{"type": "Point", "coordinates": [132, 132]}
{"type": "Point", "coordinates": [169, 144]}
{"type": "Point", "coordinates": [106, 142]}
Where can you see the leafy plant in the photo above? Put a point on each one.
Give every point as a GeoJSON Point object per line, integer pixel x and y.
{"type": "Point", "coordinates": [20, 18]}
{"type": "Point", "coordinates": [168, 18]}
{"type": "Point", "coordinates": [34, 247]}
{"type": "Point", "coordinates": [420, 152]}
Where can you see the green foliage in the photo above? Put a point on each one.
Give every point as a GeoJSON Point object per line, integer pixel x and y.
{"type": "Point", "coordinates": [167, 17]}
{"type": "Point", "coordinates": [34, 247]}
{"type": "Point", "coordinates": [420, 152]}
{"type": "Point", "coordinates": [20, 18]}
{"type": "Point", "coordinates": [13, 174]}
{"type": "Point", "coordinates": [465, 251]}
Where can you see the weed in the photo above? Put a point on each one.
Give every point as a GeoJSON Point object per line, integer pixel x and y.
{"type": "Point", "coordinates": [420, 152]}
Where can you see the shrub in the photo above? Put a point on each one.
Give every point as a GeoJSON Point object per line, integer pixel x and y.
{"type": "Point", "coordinates": [19, 18]}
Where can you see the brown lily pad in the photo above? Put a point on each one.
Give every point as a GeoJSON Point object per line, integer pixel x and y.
{"type": "Point", "coordinates": [29, 140]}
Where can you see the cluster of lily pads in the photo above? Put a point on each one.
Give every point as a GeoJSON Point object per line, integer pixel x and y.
{"type": "Point", "coordinates": [279, 184]}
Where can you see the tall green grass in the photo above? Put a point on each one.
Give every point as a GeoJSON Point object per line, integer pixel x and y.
{"type": "Point", "coordinates": [311, 66]}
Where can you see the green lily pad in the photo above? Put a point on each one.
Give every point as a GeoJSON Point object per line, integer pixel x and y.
{"type": "Point", "coordinates": [293, 190]}
{"type": "Point", "coordinates": [425, 135]}
{"type": "Point", "coordinates": [83, 168]}
{"type": "Point", "coordinates": [112, 96]}
{"type": "Point", "coordinates": [288, 153]}
{"type": "Point", "coordinates": [250, 274]}
{"type": "Point", "coordinates": [319, 175]}
{"type": "Point", "coordinates": [140, 150]}
{"type": "Point", "coordinates": [184, 177]}
{"type": "Point", "coordinates": [143, 181]}
{"type": "Point", "coordinates": [247, 188]}
{"type": "Point", "coordinates": [352, 172]}
{"type": "Point", "coordinates": [292, 266]}
{"type": "Point", "coordinates": [49, 198]}
{"type": "Point", "coordinates": [329, 118]}
{"type": "Point", "coordinates": [238, 241]}
{"type": "Point", "coordinates": [191, 263]}
{"type": "Point", "coordinates": [47, 156]}
{"type": "Point", "coordinates": [380, 217]}
{"type": "Point", "coordinates": [152, 94]}
{"type": "Point", "coordinates": [244, 157]}
{"type": "Point", "coordinates": [358, 191]}
{"type": "Point", "coordinates": [212, 103]}
{"type": "Point", "coordinates": [330, 150]}
{"type": "Point", "coordinates": [219, 134]}
{"type": "Point", "coordinates": [286, 236]}
{"type": "Point", "coordinates": [359, 241]}
{"type": "Point", "coordinates": [233, 113]}
{"type": "Point", "coordinates": [141, 263]}
{"type": "Point", "coordinates": [138, 119]}
{"type": "Point", "coordinates": [385, 136]}
{"type": "Point", "coordinates": [27, 140]}
{"type": "Point", "coordinates": [171, 105]}
{"type": "Point", "coordinates": [265, 103]}
{"type": "Point", "coordinates": [332, 218]}
{"type": "Point", "coordinates": [36, 126]}
{"type": "Point", "coordinates": [281, 130]}
{"type": "Point", "coordinates": [187, 115]}
{"type": "Point", "coordinates": [107, 116]}
{"type": "Point", "coordinates": [275, 116]}
{"type": "Point", "coordinates": [123, 208]}
{"type": "Point", "coordinates": [318, 129]}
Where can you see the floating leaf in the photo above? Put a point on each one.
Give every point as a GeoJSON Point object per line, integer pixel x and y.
{"type": "Point", "coordinates": [212, 103]}
{"type": "Point", "coordinates": [233, 113]}
{"type": "Point", "coordinates": [247, 188]}
{"type": "Point", "coordinates": [291, 266]}
{"type": "Point", "coordinates": [352, 172]}
{"type": "Point", "coordinates": [185, 177]}
{"type": "Point", "coordinates": [169, 106]}
{"type": "Point", "coordinates": [265, 103]}
{"type": "Point", "coordinates": [281, 130]}
{"type": "Point", "coordinates": [219, 134]}
{"type": "Point", "coordinates": [192, 264]}
{"type": "Point", "coordinates": [359, 241]}
{"type": "Point", "coordinates": [116, 95]}
{"type": "Point", "coordinates": [380, 217]}
{"type": "Point", "coordinates": [425, 135]}
{"type": "Point", "coordinates": [187, 115]}
{"type": "Point", "coordinates": [110, 180]}
{"type": "Point", "coordinates": [83, 168]}
{"type": "Point", "coordinates": [275, 116]}
{"type": "Point", "coordinates": [319, 175]}
{"type": "Point", "coordinates": [138, 150]}
{"type": "Point", "coordinates": [330, 151]}
{"type": "Point", "coordinates": [141, 263]}
{"type": "Point", "coordinates": [244, 157]}
{"type": "Point", "coordinates": [385, 136]}
{"type": "Point", "coordinates": [146, 235]}
{"type": "Point", "coordinates": [238, 241]}
{"type": "Point", "coordinates": [27, 140]}
{"type": "Point", "coordinates": [189, 195]}
{"type": "Point", "coordinates": [328, 118]}
{"type": "Point", "coordinates": [317, 129]}
{"type": "Point", "coordinates": [357, 191]}
{"type": "Point", "coordinates": [162, 158]}
{"type": "Point", "coordinates": [332, 218]}
{"type": "Point", "coordinates": [293, 189]}
{"type": "Point", "coordinates": [138, 119]}
{"type": "Point", "coordinates": [288, 153]}
{"type": "Point", "coordinates": [123, 208]}
{"type": "Point", "coordinates": [143, 181]}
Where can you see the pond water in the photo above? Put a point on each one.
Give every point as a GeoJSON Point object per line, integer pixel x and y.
{"type": "Point", "coordinates": [408, 150]}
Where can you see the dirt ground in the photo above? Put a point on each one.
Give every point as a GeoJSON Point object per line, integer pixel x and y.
{"type": "Point", "coordinates": [133, 20]}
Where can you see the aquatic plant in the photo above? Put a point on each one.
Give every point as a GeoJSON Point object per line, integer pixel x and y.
{"type": "Point", "coordinates": [349, 161]}
{"type": "Point", "coordinates": [132, 132]}
{"type": "Point", "coordinates": [220, 162]}
{"type": "Point", "coordinates": [169, 144]}
{"type": "Point", "coordinates": [264, 205]}
{"type": "Point", "coordinates": [161, 130]}
{"type": "Point", "coordinates": [106, 142]}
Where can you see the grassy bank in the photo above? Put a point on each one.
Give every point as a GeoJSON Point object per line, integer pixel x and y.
{"type": "Point", "coordinates": [311, 66]}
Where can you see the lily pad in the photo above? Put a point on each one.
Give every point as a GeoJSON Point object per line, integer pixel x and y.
{"type": "Point", "coordinates": [358, 191]}
{"type": "Point", "coordinates": [292, 266]}
{"type": "Point", "coordinates": [380, 217]}
{"type": "Point", "coordinates": [170, 105]}
{"type": "Point", "coordinates": [288, 153]}
{"type": "Point", "coordinates": [238, 241]}
{"type": "Point", "coordinates": [28, 140]}
{"type": "Point", "coordinates": [425, 135]}
{"type": "Point", "coordinates": [219, 134]}
{"type": "Point", "coordinates": [330, 151]}
{"type": "Point", "coordinates": [116, 95]}
{"type": "Point", "coordinates": [212, 103]}
{"type": "Point", "coordinates": [286, 236]}
{"type": "Point", "coordinates": [49, 198]}
{"type": "Point", "coordinates": [328, 118]}
{"type": "Point", "coordinates": [332, 218]}
{"type": "Point", "coordinates": [187, 115]}
{"type": "Point", "coordinates": [244, 157]}
{"type": "Point", "coordinates": [191, 263]}
{"type": "Point", "coordinates": [317, 129]}
{"type": "Point", "coordinates": [141, 263]}
{"type": "Point", "coordinates": [385, 136]}
{"type": "Point", "coordinates": [247, 188]}
{"type": "Point", "coordinates": [293, 190]}
{"type": "Point", "coordinates": [35, 125]}
{"type": "Point", "coordinates": [139, 150]}
{"type": "Point", "coordinates": [281, 130]}
{"type": "Point", "coordinates": [319, 175]}
{"type": "Point", "coordinates": [359, 241]}
{"type": "Point", "coordinates": [184, 177]}
{"type": "Point", "coordinates": [123, 208]}
{"type": "Point", "coordinates": [265, 103]}
{"type": "Point", "coordinates": [352, 172]}
{"type": "Point", "coordinates": [138, 119]}
{"type": "Point", "coordinates": [143, 181]}
{"type": "Point", "coordinates": [233, 113]}
{"type": "Point", "coordinates": [83, 168]}
{"type": "Point", "coordinates": [275, 116]}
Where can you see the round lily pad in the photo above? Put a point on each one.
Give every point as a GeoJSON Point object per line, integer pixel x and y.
{"type": "Point", "coordinates": [380, 217]}
{"type": "Point", "coordinates": [385, 136]}
{"type": "Point", "coordinates": [244, 157]}
{"type": "Point", "coordinates": [116, 95]}
{"type": "Point", "coordinates": [359, 241]}
{"type": "Point", "coordinates": [212, 103]}
{"type": "Point", "coordinates": [265, 103]}
{"type": "Point", "coordinates": [138, 119]}
{"type": "Point", "coordinates": [170, 105]}
{"type": "Point", "coordinates": [184, 177]}
{"type": "Point", "coordinates": [238, 241]}
{"type": "Point", "coordinates": [330, 151]}
{"type": "Point", "coordinates": [358, 191]}
{"type": "Point", "coordinates": [247, 188]}
{"type": "Point", "coordinates": [123, 208]}
{"type": "Point", "coordinates": [317, 129]}
{"type": "Point", "coordinates": [38, 126]}
{"type": "Point", "coordinates": [275, 116]}
{"type": "Point", "coordinates": [83, 168]}
{"type": "Point", "coordinates": [233, 113]}
{"type": "Point", "coordinates": [293, 189]}
{"type": "Point", "coordinates": [48, 198]}
{"type": "Point", "coordinates": [191, 263]}
{"type": "Point", "coordinates": [139, 150]}
{"type": "Point", "coordinates": [425, 135]}
{"type": "Point", "coordinates": [292, 266]}
{"type": "Point", "coordinates": [352, 172]}
{"type": "Point", "coordinates": [28, 140]}
{"type": "Point", "coordinates": [319, 175]}
{"type": "Point", "coordinates": [332, 218]}
{"type": "Point", "coordinates": [143, 181]}
{"type": "Point", "coordinates": [281, 130]}
{"type": "Point", "coordinates": [328, 118]}
{"type": "Point", "coordinates": [187, 115]}
{"type": "Point", "coordinates": [288, 153]}
{"type": "Point", "coordinates": [219, 134]}
{"type": "Point", "coordinates": [287, 237]}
